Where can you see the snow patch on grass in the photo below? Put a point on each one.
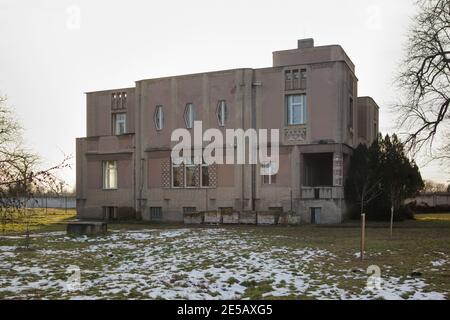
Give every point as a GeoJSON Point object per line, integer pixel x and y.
{"type": "Point", "coordinates": [185, 263]}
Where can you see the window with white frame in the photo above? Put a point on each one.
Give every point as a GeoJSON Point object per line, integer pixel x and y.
{"type": "Point", "coordinates": [159, 118]}
{"type": "Point", "coordinates": [222, 113]}
{"type": "Point", "coordinates": [189, 115]}
{"type": "Point", "coordinates": [119, 123]}
{"type": "Point", "coordinates": [109, 175]}
{"type": "Point", "coordinates": [296, 109]}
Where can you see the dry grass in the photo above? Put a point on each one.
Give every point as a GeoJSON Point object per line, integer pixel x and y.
{"type": "Point", "coordinates": [37, 219]}
{"type": "Point", "coordinates": [433, 217]}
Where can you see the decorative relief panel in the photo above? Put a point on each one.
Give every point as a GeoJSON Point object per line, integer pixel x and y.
{"type": "Point", "coordinates": [295, 134]}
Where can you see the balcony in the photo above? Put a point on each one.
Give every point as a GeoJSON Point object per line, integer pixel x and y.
{"type": "Point", "coordinates": [321, 193]}
{"type": "Point", "coordinates": [110, 144]}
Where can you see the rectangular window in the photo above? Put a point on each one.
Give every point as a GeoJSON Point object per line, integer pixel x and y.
{"type": "Point", "coordinates": [155, 213]}
{"type": "Point", "coordinates": [269, 178]}
{"type": "Point", "coordinates": [350, 113]}
{"type": "Point", "coordinates": [114, 99]}
{"type": "Point", "coordinates": [303, 79]}
{"type": "Point", "coordinates": [296, 109]}
{"type": "Point", "coordinates": [226, 210]}
{"type": "Point", "coordinates": [205, 175]}
{"type": "Point", "coordinates": [119, 123]}
{"type": "Point", "coordinates": [124, 100]}
{"type": "Point", "coordinates": [109, 175]}
{"type": "Point", "coordinates": [288, 80]}
{"type": "Point", "coordinates": [189, 209]}
{"type": "Point", "coordinates": [296, 79]}
{"type": "Point", "coordinates": [192, 177]}
{"type": "Point", "coordinates": [177, 176]}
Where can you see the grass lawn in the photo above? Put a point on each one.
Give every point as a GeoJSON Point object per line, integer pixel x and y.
{"type": "Point", "coordinates": [38, 219]}
{"type": "Point", "coordinates": [160, 261]}
{"type": "Point", "coordinates": [433, 216]}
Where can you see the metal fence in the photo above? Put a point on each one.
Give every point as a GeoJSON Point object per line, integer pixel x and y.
{"type": "Point", "coordinates": [52, 202]}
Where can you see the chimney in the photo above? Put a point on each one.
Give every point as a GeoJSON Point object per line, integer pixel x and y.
{"type": "Point", "coordinates": [305, 43]}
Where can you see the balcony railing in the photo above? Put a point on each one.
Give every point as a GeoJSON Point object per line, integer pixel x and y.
{"type": "Point", "coordinates": [321, 193]}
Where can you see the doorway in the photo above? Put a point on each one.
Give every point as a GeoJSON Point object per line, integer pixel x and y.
{"type": "Point", "coordinates": [315, 215]}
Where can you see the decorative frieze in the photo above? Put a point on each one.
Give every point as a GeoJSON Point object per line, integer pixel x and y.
{"type": "Point", "coordinates": [295, 134]}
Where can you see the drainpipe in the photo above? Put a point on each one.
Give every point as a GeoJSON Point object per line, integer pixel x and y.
{"type": "Point", "coordinates": [253, 110]}
{"type": "Point", "coordinates": [242, 87]}
{"type": "Point", "coordinates": [141, 183]}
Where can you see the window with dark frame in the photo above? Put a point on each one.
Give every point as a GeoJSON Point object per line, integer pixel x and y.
{"type": "Point", "coordinates": [177, 176]}
{"type": "Point", "coordinates": [155, 213]}
{"type": "Point", "coordinates": [205, 175]}
{"type": "Point", "coordinates": [189, 209]}
{"type": "Point", "coordinates": [190, 175]}
{"type": "Point", "coordinates": [303, 79]}
{"type": "Point", "coordinates": [295, 79]}
{"type": "Point", "coordinates": [118, 100]}
{"type": "Point", "coordinates": [288, 80]}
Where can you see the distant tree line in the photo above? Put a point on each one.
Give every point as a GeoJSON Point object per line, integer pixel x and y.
{"type": "Point", "coordinates": [435, 187]}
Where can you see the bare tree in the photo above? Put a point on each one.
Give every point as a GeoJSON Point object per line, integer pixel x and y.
{"type": "Point", "coordinates": [424, 80]}
{"type": "Point", "coordinates": [20, 174]}
{"type": "Point", "coordinates": [431, 186]}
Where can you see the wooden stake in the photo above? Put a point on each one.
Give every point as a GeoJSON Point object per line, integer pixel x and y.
{"type": "Point", "coordinates": [363, 234]}
{"type": "Point", "coordinates": [392, 219]}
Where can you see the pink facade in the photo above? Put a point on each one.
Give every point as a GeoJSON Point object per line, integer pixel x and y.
{"type": "Point", "coordinates": [310, 95]}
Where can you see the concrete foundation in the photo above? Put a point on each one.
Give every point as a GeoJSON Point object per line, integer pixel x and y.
{"type": "Point", "coordinates": [87, 228]}
{"type": "Point", "coordinates": [193, 218]}
{"type": "Point", "coordinates": [289, 218]}
{"type": "Point", "coordinates": [247, 217]}
{"type": "Point", "coordinates": [230, 218]}
{"type": "Point", "coordinates": [267, 218]}
{"type": "Point", "coordinates": [212, 217]}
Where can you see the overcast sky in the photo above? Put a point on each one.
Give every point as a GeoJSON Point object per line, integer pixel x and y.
{"type": "Point", "coordinates": [52, 51]}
